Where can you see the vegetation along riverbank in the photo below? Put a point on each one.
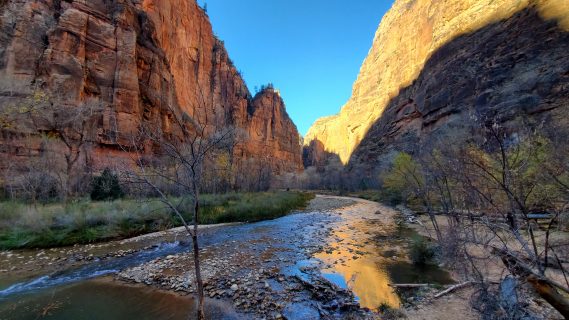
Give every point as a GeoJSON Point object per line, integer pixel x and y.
{"type": "Point", "coordinates": [83, 221]}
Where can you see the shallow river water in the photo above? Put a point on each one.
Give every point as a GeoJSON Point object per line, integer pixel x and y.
{"type": "Point", "coordinates": [353, 247]}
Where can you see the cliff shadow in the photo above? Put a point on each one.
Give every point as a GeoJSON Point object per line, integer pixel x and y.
{"type": "Point", "coordinates": [514, 68]}
{"type": "Point", "coordinates": [325, 170]}
{"type": "Point", "coordinates": [315, 155]}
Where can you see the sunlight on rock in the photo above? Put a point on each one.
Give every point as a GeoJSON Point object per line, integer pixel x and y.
{"type": "Point", "coordinates": [409, 34]}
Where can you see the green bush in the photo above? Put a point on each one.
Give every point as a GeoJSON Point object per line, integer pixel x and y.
{"type": "Point", "coordinates": [106, 187]}
{"type": "Point", "coordinates": [392, 197]}
{"type": "Point", "coordinates": [421, 251]}
{"type": "Point", "coordinates": [249, 207]}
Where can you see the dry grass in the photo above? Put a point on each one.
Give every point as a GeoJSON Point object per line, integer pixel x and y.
{"type": "Point", "coordinates": [24, 226]}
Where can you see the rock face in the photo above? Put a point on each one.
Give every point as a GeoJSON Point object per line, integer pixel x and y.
{"type": "Point", "coordinates": [434, 62]}
{"type": "Point", "coordinates": [139, 59]}
{"type": "Point", "coordinates": [268, 128]}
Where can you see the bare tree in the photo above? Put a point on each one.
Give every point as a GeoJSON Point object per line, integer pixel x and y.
{"type": "Point", "coordinates": [175, 170]}
{"type": "Point", "coordinates": [43, 116]}
{"type": "Point", "coordinates": [72, 124]}
{"type": "Point", "coordinates": [490, 191]}
{"type": "Point", "coordinates": [35, 177]}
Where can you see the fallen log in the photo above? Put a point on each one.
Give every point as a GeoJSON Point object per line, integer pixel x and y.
{"type": "Point", "coordinates": [519, 268]}
{"type": "Point", "coordinates": [546, 288]}
{"type": "Point", "coordinates": [452, 288]}
{"type": "Point", "coordinates": [550, 294]}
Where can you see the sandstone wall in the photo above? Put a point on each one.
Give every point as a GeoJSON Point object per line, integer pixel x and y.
{"type": "Point", "coordinates": [268, 130]}
{"type": "Point", "coordinates": [408, 36]}
{"type": "Point", "coordinates": [514, 72]}
{"type": "Point", "coordinates": [140, 59]}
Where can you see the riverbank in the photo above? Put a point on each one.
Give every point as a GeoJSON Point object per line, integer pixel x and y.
{"type": "Point", "coordinates": [335, 259]}
{"type": "Point", "coordinates": [460, 301]}
{"type": "Point", "coordinates": [231, 249]}
{"type": "Point", "coordinates": [83, 221]}
{"type": "Point", "coordinates": [269, 272]}
{"type": "Point", "coordinates": [338, 261]}
{"type": "Point", "coordinates": [414, 303]}
{"type": "Point", "coordinates": [28, 263]}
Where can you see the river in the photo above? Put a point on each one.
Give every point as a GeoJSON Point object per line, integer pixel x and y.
{"type": "Point", "coordinates": [338, 257]}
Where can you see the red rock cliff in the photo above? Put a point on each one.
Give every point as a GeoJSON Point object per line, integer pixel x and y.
{"type": "Point", "coordinates": [136, 58]}
{"type": "Point", "coordinates": [435, 63]}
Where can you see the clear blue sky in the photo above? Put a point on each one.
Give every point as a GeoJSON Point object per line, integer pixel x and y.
{"type": "Point", "coordinates": [311, 50]}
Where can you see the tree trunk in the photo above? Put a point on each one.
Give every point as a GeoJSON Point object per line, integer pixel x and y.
{"type": "Point", "coordinates": [543, 286]}
{"type": "Point", "coordinates": [201, 314]}
{"type": "Point", "coordinates": [68, 172]}
{"type": "Point", "coordinates": [67, 193]}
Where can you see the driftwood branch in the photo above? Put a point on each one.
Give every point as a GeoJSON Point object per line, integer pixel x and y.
{"type": "Point", "coordinates": [453, 288]}
{"type": "Point", "coordinates": [550, 294]}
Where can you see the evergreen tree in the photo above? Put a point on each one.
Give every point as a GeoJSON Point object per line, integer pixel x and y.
{"type": "Point", "coordinates": [106, 187]}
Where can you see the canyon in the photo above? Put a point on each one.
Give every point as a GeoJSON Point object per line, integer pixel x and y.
{"type": "Point", "coordinates": [437, 66]}
{"type": "Point", "coordinates": [142, 62]}
{"type": "Point", "coordinates": [455, 135]}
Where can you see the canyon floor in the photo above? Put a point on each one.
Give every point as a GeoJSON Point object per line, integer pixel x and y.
{"type": "Point", "coordinates": [336, 259]}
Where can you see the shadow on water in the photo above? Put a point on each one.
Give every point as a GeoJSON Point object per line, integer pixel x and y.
{"type": "Point", "coordinates": [102, 299]}
{"type": "Point", "coordinates": [405, 272]}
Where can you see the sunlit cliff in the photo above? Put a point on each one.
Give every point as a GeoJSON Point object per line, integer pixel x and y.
{"type": "Point", "coordinates": [409, 34]}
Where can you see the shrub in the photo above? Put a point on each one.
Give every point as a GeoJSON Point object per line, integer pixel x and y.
{"type": "Point", "coordinates": [388, 312]}
{"type": "Point", "coordinates": [392, 197]}
{"type": "Point", "coordinates": [106, 187]}
{"type": "Point", "coordinates": [421, 252]}
{"type": "Point", "coordinates": [37, 187]}
{"type": "Point", "coordinates": [403, 180]}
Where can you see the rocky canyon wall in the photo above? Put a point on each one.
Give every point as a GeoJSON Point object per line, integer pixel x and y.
{"type": "Point", "coordinates": [140, 60]}
{"type": "Point", "coordinates": [435, 63]}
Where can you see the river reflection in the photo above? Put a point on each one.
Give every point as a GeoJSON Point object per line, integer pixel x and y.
{"type": "Point", "coordinates": [352, 260]}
